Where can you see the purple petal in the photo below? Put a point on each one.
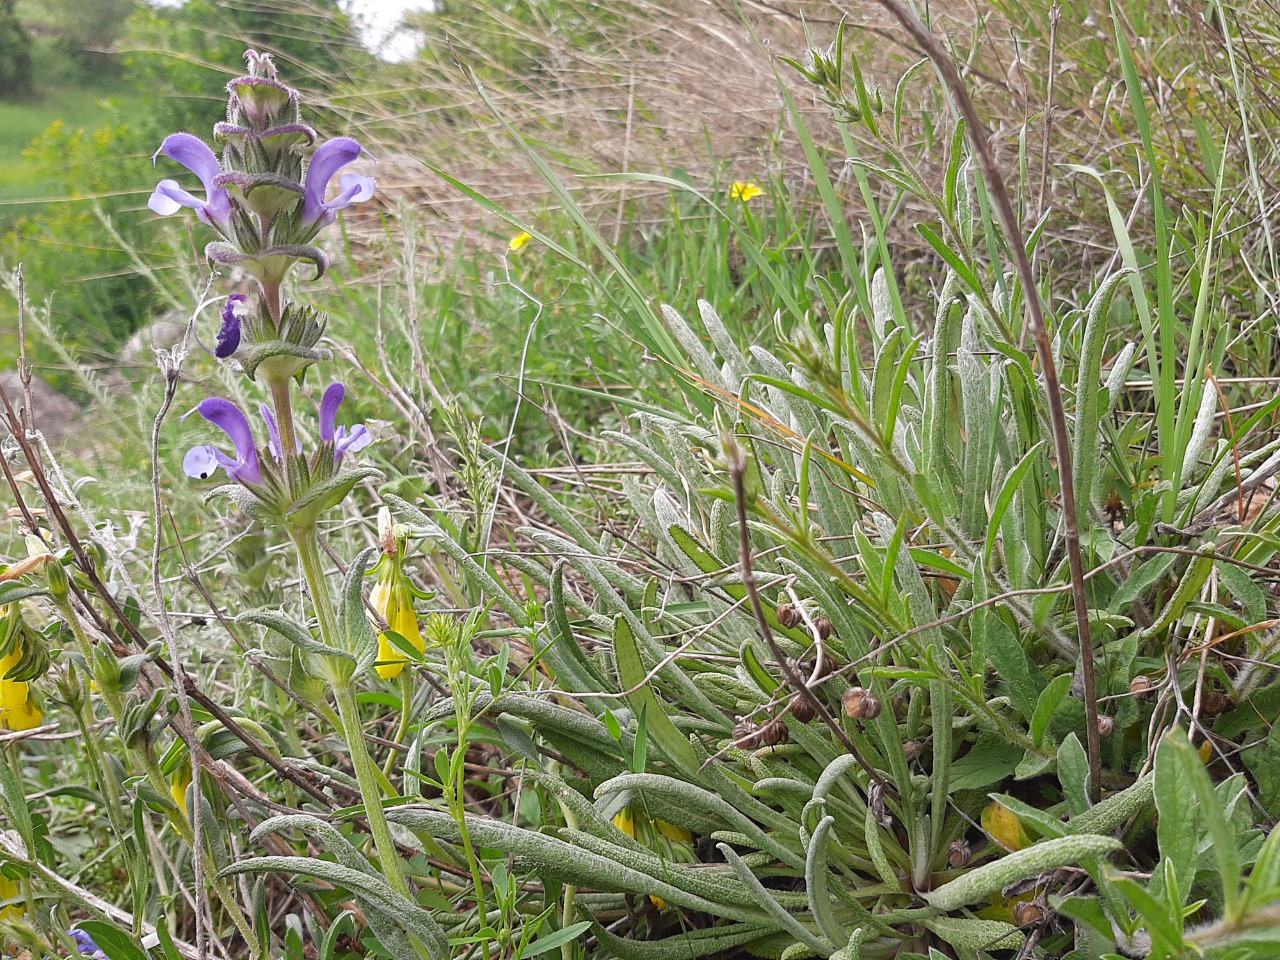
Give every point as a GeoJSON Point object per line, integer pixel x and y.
{"type": "Point", "coordinates": [229, 335]}
{"type": "Point", "coordinates": [273, 429]}
{"type": "Point", "coordinates": [201, 462]}
{"type": "Point", "coordinates": [325, 163]}
{"type": "Point", "coordinates": [194, 154]}
{"type": "Point", "coordinates": [232, 421]}
{"type": "Point", "coordinates": [169, 198]}
{"type": "Point", "coordinates": [344, 443]}
{"type": "Point", "coordinates": [329, 404]}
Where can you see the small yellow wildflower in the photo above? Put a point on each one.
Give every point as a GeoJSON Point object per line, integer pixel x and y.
{"type": "Point", "coordinates": [744, 190]}
{"type": "Point", "coordinates": [519, 240]}
{"type": "Point", "coordinates": [392, 598]}
{"type": "Point", "coordinates": [17, 712]}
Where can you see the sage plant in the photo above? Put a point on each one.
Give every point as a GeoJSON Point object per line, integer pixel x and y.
{"type": "Point", "coordinates": [267, 197]}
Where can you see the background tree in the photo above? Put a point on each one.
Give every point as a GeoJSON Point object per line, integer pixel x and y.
{"type": "Point", "coordinates": [15, 53]}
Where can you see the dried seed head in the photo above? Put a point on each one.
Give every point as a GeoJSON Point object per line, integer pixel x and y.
{"type": "Point", "coordinates": [774, 733]}
{"type": "Point", "coordinates": [788, 615]}
{"type": "Point", "coordinates": [1141, 687]}
{"type": "Point", "coordinates": [914, 749]}
{"type": "Point", "coordinates": [1027, 913]}
{"type": "Point", "coordinates": [862, 704]}
{"type": "Point", "coordinates": [1214, 703]}
{"type": "Point", "coordinates": [802, 709]}
{"type": "Point", "coordinates": [1106, 725]}
{"type": "Point", "coordinates": [747, 735]}
{"type": "Point", "coordinates": [959, 853]}
{"type": "Point", "coordinates": [823, 666]}
{"type": "Point", "coordinates": [824, 628]}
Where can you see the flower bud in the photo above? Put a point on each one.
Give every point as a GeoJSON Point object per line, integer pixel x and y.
{"type": "Point", "coordinates": [56, 577]}
{"type": "Point", "coordinates": [862, 704]}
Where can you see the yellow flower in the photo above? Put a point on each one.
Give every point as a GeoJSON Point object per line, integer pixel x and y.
{"type": "Point", "coordinates": [9, 890]}
{"type": "Point", "coordinates": [17, 712]}
{"type": "Point", "coordinates": [744, 191]}
{"type": "Point", "coordinates": [625, 822]}
{"type": "Point", "coordinates": [392, 599]}
{"type": "Point", "coordinates": [178, 787]}
{"type": "Point", "coordinates": [519, 240]}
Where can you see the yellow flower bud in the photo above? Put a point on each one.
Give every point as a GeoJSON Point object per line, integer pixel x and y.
{"type": "Point", "coordinates": [392, 599]}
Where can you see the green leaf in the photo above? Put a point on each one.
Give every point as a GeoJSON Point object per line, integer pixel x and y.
{"type": "Point", "coordinates": [1047, 705]}
{"type": "Point", "coordinates": [990, 878]}
{"type": "Point", "coordinates": [553, 940]}
{"type": "Point", "coordinates": [983, 766]}
{"type": "Point", "coordinates": [1073, 773]}
{"type": "Point", "coordinates": [116, 944]}
{"type": "Point", "coordinates": [1177, 829]}
{"type": "Point", "coordinates": [631, 676]}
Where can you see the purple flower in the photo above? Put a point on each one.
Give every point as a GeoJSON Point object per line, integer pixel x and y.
{"type": "Point", "coordinates": [229, 335]}
{"type": "Point", "coordinates": [273, 432]}
{"type": "Point", "coordinates": [201, 462]}
{"type": "Point", "coordinates": [326, 162]}
{"type": "Point", "coordinates": [85, 944]}
{"type": "Point", "coordinates": [194, 154]}
{"type": "Point", "coordinates": [343, 441]}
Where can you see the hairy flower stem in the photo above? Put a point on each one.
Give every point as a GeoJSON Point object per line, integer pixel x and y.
{"type": "Point", "coordinates": [370, 789]}
{"type": "Point", "coordinates": [283, 402]}
{"type": "Point", "coordinates": [367, 773]}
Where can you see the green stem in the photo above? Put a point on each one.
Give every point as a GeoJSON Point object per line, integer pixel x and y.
{"type": "Point", "coordinates": [402, 728]}
{"type": "Point", "coordinates": [308, 544]}
{"type": "Point", "coordinates": [370, 790]}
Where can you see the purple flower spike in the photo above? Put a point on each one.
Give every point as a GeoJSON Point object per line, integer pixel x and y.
{"type": "Point", "coordinates": [325, 164]}
{"type": "Point", "coordinates": [85, 944]}
{"type": "Point", "coordinates": [244, 468]}
{"type": "Point", "coordinates": [343, 441]}
{"type": "Point", "coordinates": [229, 335]}
{"type": "Point", "coordinates": [194, 154]}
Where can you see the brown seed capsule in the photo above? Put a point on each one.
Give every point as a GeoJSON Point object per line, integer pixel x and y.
{"type": "Point", "coordinates": [788, 615]}
{"type": "Point", "coordinates": [824, 627]}
{"type": "Point", "coordinates": [747, 735]}
{"type": "Point", "coordinates": [823, 666]}
{"type": "Point", "coordinates": [959, 853]}
{"type": "Point", "coordinates": [1214, 703]}
{"type": "Point", "coordinates": [774, 733]}
{"type": "Point", "coordinates": [1141, 687]}
{"type": "Point", "coordinates": [1106, 725]}
{"type": "Point", "coordinates": [803, 710]}
{"type": "Point", "coordinates": [862, 704]}
{"type": "Point", "coordinates": [914, 749]}
{"type": "Point", "coordinates": [1027, 913]}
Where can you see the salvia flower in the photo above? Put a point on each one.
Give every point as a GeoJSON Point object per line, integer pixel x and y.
{"type": "Point", "coordinates": [169, 197]}
{"type": "Point", "coordinates": [325, 164]}
{"type": "Point", "coordinates": [202, 462]}
{"type": "Point", "coordinates": [343, 441]}
{"type": "Point", "coordinates": [85, 944]}
{"type": "Point", "coordinates": [233, 313]}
